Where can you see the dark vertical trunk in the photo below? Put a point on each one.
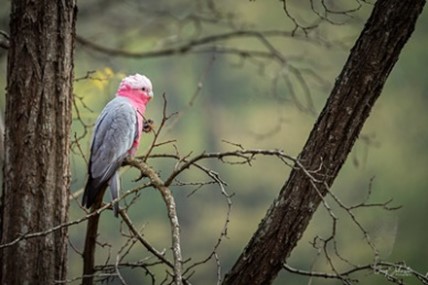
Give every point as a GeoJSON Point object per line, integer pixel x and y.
{"type": "Point", "coordinates": [91, 241]}
{"type": "Point", "coordinates": [338, 126]}
{"type": "Point", "coordinates": [37, 140]}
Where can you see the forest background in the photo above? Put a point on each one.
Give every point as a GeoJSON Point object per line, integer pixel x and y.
{"type": "Point", "coordinates": [224, 98]}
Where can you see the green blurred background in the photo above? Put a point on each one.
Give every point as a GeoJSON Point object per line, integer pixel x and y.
{"type": "Point", "coordinates": [241, 101]}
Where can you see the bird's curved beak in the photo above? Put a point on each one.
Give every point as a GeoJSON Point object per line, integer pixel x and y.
{"type": "Point", "coordinates": [151, 94]}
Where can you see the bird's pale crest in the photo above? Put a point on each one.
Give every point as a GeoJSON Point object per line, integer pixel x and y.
{"type": "Point", "coordinates": [137, 81]}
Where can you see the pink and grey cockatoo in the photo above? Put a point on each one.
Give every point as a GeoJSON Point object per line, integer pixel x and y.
{"type": "Point", "coordinates": [117, 134]}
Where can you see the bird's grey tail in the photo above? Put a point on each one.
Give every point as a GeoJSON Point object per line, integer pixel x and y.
{"type": "Point", "coordinates": [114, 190]}
{"type": "Point", "coordinates": [90, 193]}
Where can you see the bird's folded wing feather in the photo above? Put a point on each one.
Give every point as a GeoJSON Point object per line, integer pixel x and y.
{"type": "Point", "coordinates": [114, 133]}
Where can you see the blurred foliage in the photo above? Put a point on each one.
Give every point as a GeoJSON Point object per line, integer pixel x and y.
{"type": "Point", "coordinates": [236, 99]}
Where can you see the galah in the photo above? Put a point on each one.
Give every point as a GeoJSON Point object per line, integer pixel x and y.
{"type": "Point", "coordinates": [117, 134]}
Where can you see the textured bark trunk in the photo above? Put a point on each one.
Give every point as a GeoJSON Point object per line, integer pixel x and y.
{"type": "Point", "coordinates": [37, 140]}
{"type": "Point", "coordinates": [338, 126]}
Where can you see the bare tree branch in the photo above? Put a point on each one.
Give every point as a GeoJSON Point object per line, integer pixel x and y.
{"type": "Point", "coordinates": [172, 214]}
{"type": "Point", "coordinates": [391, 271]}
{"type": "Point", "coordinates": [356, 90]}
{"type": "Point", "coordinates": [53, 229]}
{"type": "Point", "coordinates": [4, 40]}
{"type": "Point", "coordinates": [146, 244]}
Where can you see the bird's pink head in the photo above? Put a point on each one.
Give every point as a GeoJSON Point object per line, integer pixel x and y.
{"type": "Point", "coordinates": [138, 88]}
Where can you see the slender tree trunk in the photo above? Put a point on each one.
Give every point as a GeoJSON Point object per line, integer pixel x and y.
{"type": "Point", "coordinates": [91, 241]}
{"type": "Point", "coordinates": [338, 126]}
{"type": "Point", "coordinates": [37, 140]}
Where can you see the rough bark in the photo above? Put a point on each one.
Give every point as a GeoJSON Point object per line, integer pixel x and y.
{"type": "Point", "coordinates": [338, 126]}
{"type": "Point", "coordinates": [37, 140]}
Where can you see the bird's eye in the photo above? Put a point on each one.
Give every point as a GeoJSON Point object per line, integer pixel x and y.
{"type": "Point", "coordinates": [144, 89]}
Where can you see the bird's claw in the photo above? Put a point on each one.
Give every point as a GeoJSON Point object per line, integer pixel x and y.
{"type": "Point", "coordinates": [148, 125]}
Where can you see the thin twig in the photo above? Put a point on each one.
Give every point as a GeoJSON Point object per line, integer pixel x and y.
{"type": "Point", "coordinates": [146, 244]}
{"type": "Point", "coordinates": [172, 214]}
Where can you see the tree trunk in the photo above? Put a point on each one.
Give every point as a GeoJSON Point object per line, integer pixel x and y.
{"type": "Point", "coordinates": [91, 241]}
{"type": "Point", "coordinates": [37, 140]}
{"type": "Point", "coordinates": [338, 126]}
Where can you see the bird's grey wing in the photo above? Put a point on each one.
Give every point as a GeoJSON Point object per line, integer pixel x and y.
{"type": "Point", "coordinates": [113, 137]}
